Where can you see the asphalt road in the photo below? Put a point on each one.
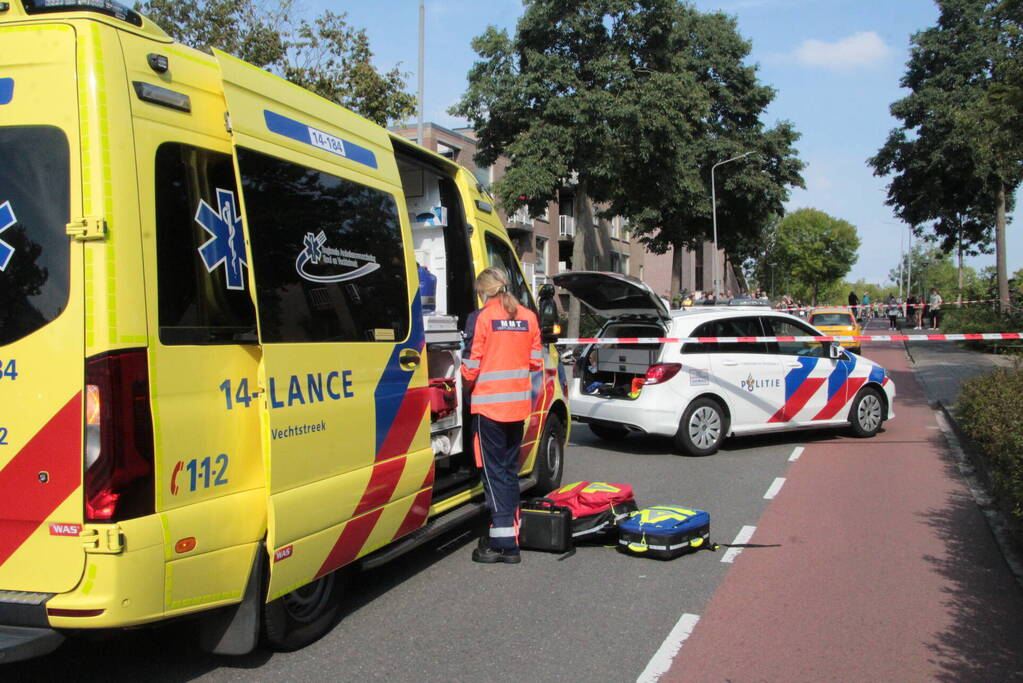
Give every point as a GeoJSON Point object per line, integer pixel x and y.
{"type": "Point", "coordinates": [435, 615]}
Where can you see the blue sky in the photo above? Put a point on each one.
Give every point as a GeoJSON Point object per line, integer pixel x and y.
{"type": "Point", "coordinates": [835, 65]}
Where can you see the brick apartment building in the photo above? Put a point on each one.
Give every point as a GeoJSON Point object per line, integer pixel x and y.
{"type": "Point", "coordinates": [544, 244]}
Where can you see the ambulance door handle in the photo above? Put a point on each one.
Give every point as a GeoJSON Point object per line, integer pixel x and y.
{"type": "Point", "coordinates": [409, 359]}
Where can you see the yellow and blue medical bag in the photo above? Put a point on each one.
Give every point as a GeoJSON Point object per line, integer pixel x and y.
{"type": "Point", "coordinates": [664, 532]}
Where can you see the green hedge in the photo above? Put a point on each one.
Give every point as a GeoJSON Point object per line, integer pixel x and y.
{"type": "Point", "coordinates": [990, 411]}
{"type": "Point", "coordinates": [978, 319]}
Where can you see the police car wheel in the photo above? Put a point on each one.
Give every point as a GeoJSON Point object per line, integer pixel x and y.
{"type": "Point", "coordinates": [867, 413]}
{"type": "Point", "coordinates": [550, 456]}
{"type": "Point", "coordinates": [703, 428]}
{"type": "Point", "coordinates": [609, 433]}
{"type": "Point", "coordinates": [302, 616]}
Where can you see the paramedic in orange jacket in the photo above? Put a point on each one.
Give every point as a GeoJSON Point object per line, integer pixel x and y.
{"type": "Point", "coordinates": [502, 347]}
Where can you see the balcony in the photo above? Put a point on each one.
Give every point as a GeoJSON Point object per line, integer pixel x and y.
{"type": "Point", "coordinates": [566, 227]}
{"type": "Point", "coordinates": [520, 221]}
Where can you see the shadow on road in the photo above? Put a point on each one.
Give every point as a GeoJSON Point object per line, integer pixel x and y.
{"type": "Point", "coordinates": [983, 644]}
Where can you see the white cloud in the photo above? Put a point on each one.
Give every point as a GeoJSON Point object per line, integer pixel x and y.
{"type": "Point", "coordinates": [862, 49]}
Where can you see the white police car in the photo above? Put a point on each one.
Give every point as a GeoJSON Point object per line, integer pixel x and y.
{"type": "Point", "coordinates": [701, 393]}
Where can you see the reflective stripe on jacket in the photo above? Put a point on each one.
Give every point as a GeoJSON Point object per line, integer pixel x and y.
{"type": "Point", "coordinates": [500, 353]}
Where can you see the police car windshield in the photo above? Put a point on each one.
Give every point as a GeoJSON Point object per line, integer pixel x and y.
{"type": "Point", "coordinates": [34, 212]}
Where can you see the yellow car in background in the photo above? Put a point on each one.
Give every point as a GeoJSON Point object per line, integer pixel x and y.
{"type": "Point", "coordinates": [837, 321]}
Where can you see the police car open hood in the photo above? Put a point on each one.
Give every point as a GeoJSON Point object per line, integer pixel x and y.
{"type": "Point", "coordinates": [613, 295]}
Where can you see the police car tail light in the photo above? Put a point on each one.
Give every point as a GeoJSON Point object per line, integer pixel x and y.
{"type": "Point", "coordinates": [661, 372]}
{"type": "Point", "coordinates": [118, 437]}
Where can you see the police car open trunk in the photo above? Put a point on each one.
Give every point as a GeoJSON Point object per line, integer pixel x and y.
{"type": "Point", "coordinates": [632, 310]}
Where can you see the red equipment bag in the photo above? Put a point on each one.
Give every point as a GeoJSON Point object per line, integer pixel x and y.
{"type": "Point", "coordinates": [596, 507]}
{"type": "Point", "coordinates": [443, 400]}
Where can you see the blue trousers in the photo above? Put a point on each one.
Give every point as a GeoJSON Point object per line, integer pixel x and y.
{"type": "Point", "coordinates": [497, 451]}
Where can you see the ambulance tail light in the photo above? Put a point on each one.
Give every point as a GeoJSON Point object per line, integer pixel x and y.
{"type": "Point", "coordinates": [119, 478]}
{"type": "Point", "coordinates": [661, 372]}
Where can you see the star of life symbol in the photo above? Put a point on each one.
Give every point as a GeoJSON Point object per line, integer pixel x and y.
{"type": "Point", "coordinates": [227, 245]}
{"type": "Point", "coordinates": [7, 219]}
{"type": "Point", "coordinates": [314, 252]}
{"type": "Point", "coordinates": [314, 246]}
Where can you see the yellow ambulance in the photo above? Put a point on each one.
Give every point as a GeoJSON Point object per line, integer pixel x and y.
{"type": "Point", "coordinates": [221, 380]}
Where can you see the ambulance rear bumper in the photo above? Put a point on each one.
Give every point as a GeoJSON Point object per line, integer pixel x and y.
{"type": "Point", "coordinates": [23, 642]}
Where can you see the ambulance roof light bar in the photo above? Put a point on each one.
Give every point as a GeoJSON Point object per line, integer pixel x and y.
{"type": "Point", "coordinates": [107, 7]}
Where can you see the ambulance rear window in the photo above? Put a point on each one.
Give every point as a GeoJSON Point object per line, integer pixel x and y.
{"type": "Point", "coordinates": [329, 261]}
{"type": "Point", "coordinates": [202, 281]}
{"type": "Point", "coordinates": [34, 212]}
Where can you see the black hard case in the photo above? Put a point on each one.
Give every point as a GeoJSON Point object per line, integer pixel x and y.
{"type": "Point", "coordinates": [545, 526]}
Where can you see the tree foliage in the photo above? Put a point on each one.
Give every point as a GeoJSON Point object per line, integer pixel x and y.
{"type": "Point", "coordinates": [955, 159]}
{"type": "Point", "coordinates": [808, 253]}
{"type": "Point", "coordinates": [325, 55]}
{"type": "Point", "coordinates": [629, 103]}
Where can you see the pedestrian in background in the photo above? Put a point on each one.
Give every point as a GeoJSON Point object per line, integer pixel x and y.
{"type": "Point", "coordinates": [502, 348]}
{"type": "Point", "coordinates": [893, 313]}
{"type": "Point", "coordinates": [854, 304]}
{"type": "Point", "coordinates": [865, 302]}
{"type": "Point", "coordinates": [934, 305]}
{"type": "Point", "coordinates": [920, 312]}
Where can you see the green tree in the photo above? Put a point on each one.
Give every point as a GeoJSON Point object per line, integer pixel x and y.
{"type": "Point", "coordinates": [808, 253]}
{"type": "Point", "coordinates": [929, 266]}
{"type": "Point", "coordinates": [325, 55]}
{"type": "Point", "coordinates": [666, 167]}
{"type": "Point", "coordinates": [956, 156]}
{"type": "Point", "coordinates": [628, 104]}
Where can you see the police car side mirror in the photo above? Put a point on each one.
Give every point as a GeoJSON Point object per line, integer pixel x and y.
{"type": "Point", "coordinates": [835, 351]}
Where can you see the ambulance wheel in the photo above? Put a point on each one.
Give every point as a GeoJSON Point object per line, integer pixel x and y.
{"type": "Point", "coordinates": [550, 456]}
{"type": "Point", "coordinates": [609, 433]}
{"type": "Point", "coordinates": [703, 428]}
{"type": "Point", "coordinates": [867, 413]}
{"type": "Point", "coordinates": [304, 615]}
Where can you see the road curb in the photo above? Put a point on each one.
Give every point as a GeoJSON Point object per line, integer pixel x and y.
{"type": "Point", "coordinates": [976, 476]}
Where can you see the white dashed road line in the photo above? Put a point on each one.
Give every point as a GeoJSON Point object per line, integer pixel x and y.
{"type": "Point", "coordinates": [661, 661]}
{"type": "Point", "coordinates": [775, 488]}
{"type": "Point", "coordinates": [796, 452]}
{"type": "Point", "coordinates": [742, 538]}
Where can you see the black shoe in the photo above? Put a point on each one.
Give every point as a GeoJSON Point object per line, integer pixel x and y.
{"type": "Point", "coordinates": [490, 556]}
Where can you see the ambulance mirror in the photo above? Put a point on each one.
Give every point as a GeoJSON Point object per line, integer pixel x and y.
{"type": "Point", "coordinates": [550, 327]}
{"type": "Point", "coordinates": [546, 308]}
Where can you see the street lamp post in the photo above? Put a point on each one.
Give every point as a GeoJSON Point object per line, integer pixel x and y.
{"type": "Point", "coordinates": [714, 215]}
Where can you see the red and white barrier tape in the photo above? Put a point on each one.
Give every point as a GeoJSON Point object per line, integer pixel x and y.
{"type": "Point", "coordinates": [823, 338]}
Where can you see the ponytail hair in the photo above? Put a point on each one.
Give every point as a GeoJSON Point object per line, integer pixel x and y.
{"type": "Point", "coordinates": [493, 282]}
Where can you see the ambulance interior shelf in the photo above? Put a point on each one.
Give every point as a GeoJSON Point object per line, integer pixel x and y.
{"type": "Point", "coordinates": [440, 240]}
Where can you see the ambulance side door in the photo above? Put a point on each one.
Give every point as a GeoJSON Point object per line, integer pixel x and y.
{"type": "Point", "coordinates": [343, 375]}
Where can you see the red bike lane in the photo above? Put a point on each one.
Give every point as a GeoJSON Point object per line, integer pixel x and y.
{"type": "Point", "coordinates": [873, 563]}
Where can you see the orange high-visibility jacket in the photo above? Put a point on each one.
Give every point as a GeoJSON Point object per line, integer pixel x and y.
{"type": "Point", "coordinates": [499, 355]}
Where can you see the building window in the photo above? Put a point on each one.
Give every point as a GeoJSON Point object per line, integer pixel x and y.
{"type": "Point", "coordinates": [447, 151]}
{"type": "Point", "coordinates": [540, 257]}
